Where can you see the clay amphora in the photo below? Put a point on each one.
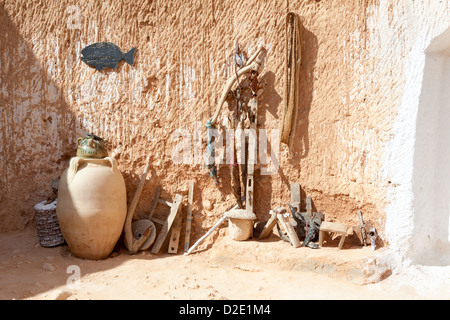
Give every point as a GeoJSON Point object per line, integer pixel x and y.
{"type": "Point", "coordinates": [92, 206]}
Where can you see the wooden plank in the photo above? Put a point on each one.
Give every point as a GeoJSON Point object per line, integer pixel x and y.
{"type": "Point", "coordinates": [175, 208]}
{"type": "Point", "coordinates": [289, 229]}
{"type": "Point", "coordinates": [175, 235]}
{"type": "Point", "coordinates": [321, 236]}
{"type": "Point", "coordinates": [269, 225]}
{"type": "Point", "coordinates": [333, 227]}
{"type": "Point", "coordinates": [295, 195]}
{"type": "Point", "coordinates": [187, 235]}
{"type": "Point", "coordinates": [308, 206]}
{"type": "Point", "coordinates": [341, 243]}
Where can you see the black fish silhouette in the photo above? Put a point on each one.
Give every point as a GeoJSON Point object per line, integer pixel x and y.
{"type": "Point", "coordinates": [103, 55]}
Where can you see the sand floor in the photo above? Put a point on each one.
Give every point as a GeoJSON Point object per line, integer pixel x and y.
{"type": "Point", "coordinates": [223, 270]}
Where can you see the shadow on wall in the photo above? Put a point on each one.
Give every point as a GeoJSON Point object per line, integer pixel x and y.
{"type": "Point", "coordinates": [272, 100]}
{"type": "Point", "coordinates": [299, 136]}
{"type": "Point", "coordinates": [431, 175]}
{"type": "Point", "coordinates": [38, 133]}
{"type": "Point", "coordinates": [308, 47]}
{"type": "Point", "coordinates": [37, 129]}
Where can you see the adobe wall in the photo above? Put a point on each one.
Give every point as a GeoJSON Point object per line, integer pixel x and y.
{"type": "Point", "coordinates": [351, 134]}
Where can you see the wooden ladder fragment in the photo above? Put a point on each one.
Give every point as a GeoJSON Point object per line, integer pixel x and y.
{"type": "Point", "coordinates": [167, 224]}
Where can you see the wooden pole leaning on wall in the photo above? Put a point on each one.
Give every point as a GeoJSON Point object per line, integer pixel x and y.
{"type": "Point", "coordinates": [187, 235]}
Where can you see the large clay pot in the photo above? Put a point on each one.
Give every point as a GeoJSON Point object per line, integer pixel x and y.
{"type": "Point", "coordinates": [92, 206]}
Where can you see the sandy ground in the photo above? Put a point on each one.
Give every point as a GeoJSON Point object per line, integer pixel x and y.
{"type": "Point", "coordinates": [224, 269]}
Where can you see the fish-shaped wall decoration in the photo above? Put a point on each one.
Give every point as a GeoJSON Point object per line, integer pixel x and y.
{"type": "Point", "coordinates": [103, 55]}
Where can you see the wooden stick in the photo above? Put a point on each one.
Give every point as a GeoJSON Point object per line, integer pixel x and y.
{"type": "Point", "coordinates": [187, 235]}
{"type": "Point", "coordinates": [155, 202]}
{"type": "Point", "coordinates": [252, 154]}
{"type": "Point", "coordinates": [129, 239]}
{"type": "Point", "coordinates": [209, 232]}
{"type": "Point", "coordinates": [234, 168]}
{"type": "Point", "coordinates": [269, 225]}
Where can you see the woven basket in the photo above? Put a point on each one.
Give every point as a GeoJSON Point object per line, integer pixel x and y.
{"type": "Point", "coordinates": [47, 224]}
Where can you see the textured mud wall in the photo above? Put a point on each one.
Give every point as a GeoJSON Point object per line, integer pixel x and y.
{"type": "Point", "coordinates": [352, 82]}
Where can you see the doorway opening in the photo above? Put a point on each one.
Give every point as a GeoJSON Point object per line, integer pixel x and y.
{"type": "Point", "coordinates": [431, 172]}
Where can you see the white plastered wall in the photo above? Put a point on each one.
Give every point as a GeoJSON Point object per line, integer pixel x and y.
{"type": "Point", "coordinates": [417, 159]}
{"type": "Point", "coordinates": [431, 175]}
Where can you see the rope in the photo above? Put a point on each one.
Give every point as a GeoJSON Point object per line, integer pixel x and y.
{"type": "Point", "coordinates": [291, 75]}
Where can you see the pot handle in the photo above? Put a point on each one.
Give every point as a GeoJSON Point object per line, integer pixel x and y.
{"type": "Point", "coordinates": [113, 162]}
{"type": "Point", "coordinates": [73, 168]}
{"type": "Point", "coordinates": [78, 141]}
{"type": "Point", "coordinates": [75, 163]}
